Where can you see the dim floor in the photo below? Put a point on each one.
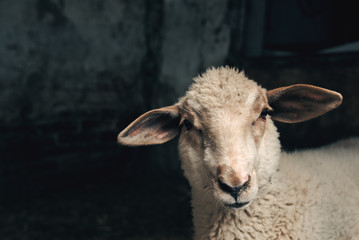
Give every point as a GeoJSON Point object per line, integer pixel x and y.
{"type": "Point", "coordinates": [139, 209]}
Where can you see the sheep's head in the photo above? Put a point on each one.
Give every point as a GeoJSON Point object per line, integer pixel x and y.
{"type": "Point", "coordinates": [228, 143]}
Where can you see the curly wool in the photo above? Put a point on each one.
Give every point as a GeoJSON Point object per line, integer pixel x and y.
{"type": "Point", "coordinates": [312, 194]}
{"type": "Point", "coordinates": [301, 202]}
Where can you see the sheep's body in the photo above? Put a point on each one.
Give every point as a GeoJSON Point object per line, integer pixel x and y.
{"type": "Point", "coordinates": [314, 195]}
{"type": "Point", "coordinates": [243, 187]}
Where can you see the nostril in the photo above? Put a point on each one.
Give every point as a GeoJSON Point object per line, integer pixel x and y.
{"type": "Point", "coordinates": [225, 187]}
{"type": "Point", "coordinates": [234, 191]}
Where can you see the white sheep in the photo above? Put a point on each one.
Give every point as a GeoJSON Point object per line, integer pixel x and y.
{"type": "Point", "coordinates": [230, 155]}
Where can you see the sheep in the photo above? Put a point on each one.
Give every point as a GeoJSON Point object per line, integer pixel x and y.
{"type": "Point", "coordinates": [243, 186]}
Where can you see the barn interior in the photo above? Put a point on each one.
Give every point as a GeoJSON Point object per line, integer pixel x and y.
{"type": "Point", "coordinates": [73, 74]}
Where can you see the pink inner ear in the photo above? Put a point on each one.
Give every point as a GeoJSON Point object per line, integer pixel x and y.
{"type": "Point", "coordinates": [157, 131]}
{"type": "Point", "coordinates": [135, 132]}
{"type": "Point", "coordinates": [154, 127]}
{"type": "Point", "coordinates": [301, 102]}
{"type": "Point", "coordinates": [163, 135]}
{"type": "Point", "coordinates": [290, 105]}
{"type": "Point", "coordinates": [317, 97]}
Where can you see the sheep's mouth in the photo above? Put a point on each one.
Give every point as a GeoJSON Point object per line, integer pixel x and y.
{"type": "Point", "coordinates": [236, 204]}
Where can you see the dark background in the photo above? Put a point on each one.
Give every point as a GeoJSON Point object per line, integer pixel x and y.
{"type": "Point", "coordinates": [73, 74]}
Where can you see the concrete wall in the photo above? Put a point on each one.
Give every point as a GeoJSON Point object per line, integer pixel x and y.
{"type": "Point", "coordinates": [74, 73]}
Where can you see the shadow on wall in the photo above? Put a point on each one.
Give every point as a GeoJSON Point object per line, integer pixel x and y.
{"type": "Point", "coordinates": [74, 73]}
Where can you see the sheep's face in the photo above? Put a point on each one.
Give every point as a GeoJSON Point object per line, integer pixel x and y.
{"type": "Point", "coordinates": [228, 143]}
{"type": "Point", "coordinates": [232, 162]}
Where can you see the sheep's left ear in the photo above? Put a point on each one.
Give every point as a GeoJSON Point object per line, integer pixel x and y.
{"type": "Point", "coordinates": [154, 127]}
{"type": "Point", "coordinates": [301, 102]}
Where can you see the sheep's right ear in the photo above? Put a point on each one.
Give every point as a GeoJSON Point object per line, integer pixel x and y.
{"type": "Point", "coordinates": [154, 127]}
{"type": "Point", "coordinates": [301, 102]}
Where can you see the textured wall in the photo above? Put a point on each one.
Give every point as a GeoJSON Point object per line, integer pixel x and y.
{"type": "Point", "coordinates": [66, 70]}
{"type": "Point", "coordinates": [59, 58]}
{"type": "Point", "coordinates": [74, 73]}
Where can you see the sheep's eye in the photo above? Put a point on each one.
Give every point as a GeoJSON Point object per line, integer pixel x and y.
{"type": "Point", "coordinates": [264, 113]}
{"type": "Point", "coordinates": [187, 124]}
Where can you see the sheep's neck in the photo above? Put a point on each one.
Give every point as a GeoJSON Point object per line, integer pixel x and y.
{"type": "Point", "coordinates": [265, 218]}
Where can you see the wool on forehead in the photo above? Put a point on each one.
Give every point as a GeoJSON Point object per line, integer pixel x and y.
{"type": "Point", "coordinates": [222, 88]}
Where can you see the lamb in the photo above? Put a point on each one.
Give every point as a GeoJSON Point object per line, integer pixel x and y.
{"type": "Point", "coordinates": [243, 186]}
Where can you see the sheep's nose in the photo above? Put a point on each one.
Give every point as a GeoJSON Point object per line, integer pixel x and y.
{"type": "Point", "coordinates": [234, 191]}
{"type": "Point", "coordinates": [231, 181]}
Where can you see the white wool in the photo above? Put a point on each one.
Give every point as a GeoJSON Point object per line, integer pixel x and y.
{"type": "Point", "coordinates": [314, 195]}
{"type": "Point", "coordinates": [243, 186]}
{"type": "Point", "coordinates": [311, 194]}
